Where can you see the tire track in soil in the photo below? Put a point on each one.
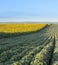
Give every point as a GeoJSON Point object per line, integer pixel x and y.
{"type": "Point", "coordinates": [52, 52]}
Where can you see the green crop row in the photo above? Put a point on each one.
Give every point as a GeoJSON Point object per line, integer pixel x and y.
{"type": "Point", "coordinates": [44, 56]}
{"type": "Point", "coordinates": [55, 54]}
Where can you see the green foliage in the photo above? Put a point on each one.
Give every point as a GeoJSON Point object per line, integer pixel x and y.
{"type": "Point", "coordinates": [36, 48]}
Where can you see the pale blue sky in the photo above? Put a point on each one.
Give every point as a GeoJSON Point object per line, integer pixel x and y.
{"type": "Point", "coordinates": [28, 9]}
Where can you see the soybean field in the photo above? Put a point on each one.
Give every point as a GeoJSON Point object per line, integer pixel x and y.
{"type": "Point", "coordinates": [38, 48]}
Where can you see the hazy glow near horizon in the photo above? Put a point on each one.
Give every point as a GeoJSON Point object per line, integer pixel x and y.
{"type": "Point", "coordinates": [28, 10]}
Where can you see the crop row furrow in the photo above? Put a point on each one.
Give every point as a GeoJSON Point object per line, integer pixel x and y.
{"type": "Point", "coordinates": [43, 58]}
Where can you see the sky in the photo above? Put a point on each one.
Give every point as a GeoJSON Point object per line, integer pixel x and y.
{"type": "Point", "coordinates": [23, 10]}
